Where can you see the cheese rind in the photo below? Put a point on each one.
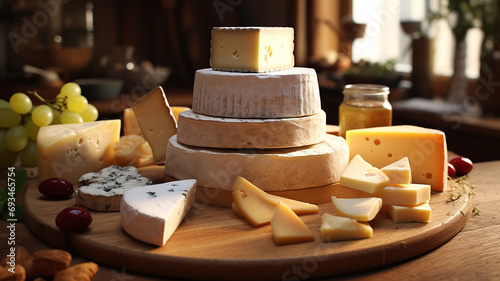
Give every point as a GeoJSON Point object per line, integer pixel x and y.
{"type": "Point", "coordinates": [425, 148]}
{"type": "Point", "coordinates": [360, 209]}
{"type": "Point", "coordinates": [152, 213]}
{"type": "Point", "coordinates": [398, 172]}
{"type": "Point", "coordinates": [405, 194]}
{"type": "Point", "coordinates": [418, 213]}
{"type": "Point", "coordinates": [270, 169]}
{"type": "Point", "coordinates": [207, 131]}
{"type": "Point", "coordinates": [71, 150]}
{"type": "Point", "coordinates": [280, 94]}
{"type": "Point", "coordinates": [337, 228]}
{"type": "Point", "coordinates": [252, 49]}
{"type": "Point", "coordinates": [288, 228]}
{"type": "Point", "coordinates": [360, 175]}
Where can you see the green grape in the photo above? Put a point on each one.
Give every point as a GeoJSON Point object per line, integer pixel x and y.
{"type": "Point", "coordinates": [16, 138]}
{"type": "Point", "coordinates": [90, 113]}
{"type": "Point", "coordinates": [20, 103]}
{"type": "Point", "coordinates": [68, 116]}
{"type": "Point", "coordinates": [32, 128]}
{"type": "Point", "coordinates": [7, 159]}
{"type": "Point", "coordinates": [3, 147]}
{"type": "Point", "coordinates": [77, 103]}
{"type": "Point", "coordinates": [28, 154]}
{"type": "Point", "coordinates": [42, 115]}
{"type": "Point", "coordinates": [70, 89]}
{"type": "Point", "coordinates": [9, 118]}
{"type": "Point", "coordinates": [57, 116]}
{"type": "Point", "coordinates": [4, 104]}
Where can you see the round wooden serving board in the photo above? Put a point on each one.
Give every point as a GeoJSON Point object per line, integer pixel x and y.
{"type": "Point", "coordinates": [213, 243]}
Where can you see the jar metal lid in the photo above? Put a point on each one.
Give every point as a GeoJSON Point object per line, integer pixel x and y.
{"type": "Point", "coordinates": [365, 89]}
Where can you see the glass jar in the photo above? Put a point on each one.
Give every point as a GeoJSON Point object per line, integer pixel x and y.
{"type": "Point", "coordinates": [364, 106]}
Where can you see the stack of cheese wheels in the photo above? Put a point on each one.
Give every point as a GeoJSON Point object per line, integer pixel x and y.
{"type": "Point", "coordinates": [257, 116]}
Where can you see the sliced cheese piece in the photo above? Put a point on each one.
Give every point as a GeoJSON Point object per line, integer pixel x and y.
{"type": "Point", "coordinates": [130, 125]}
{"type": "Point", "coordinates": [288, 228]}
{"type": "Point", "coordinates": [252, 49]}
{"type": "Point", "coordinates": [360, 175]}
{"type": "Point", "coordinates": [398, 172]}
{"type": "Point", "coordinates": [360, 209]}
{"type": "Point", "coordinates": [178, 110]}
{"type": "Point", "coordinates": [425, 149]}
{"type": "Point", "coordinates": [207, 131]}
{"type": "Point", "coordinates": [270, 169]}
{"type": "Point", "coordinates": [405, 194]}
{"type": "Point", "coordinates": [280, 94]}
{"type": "Point", "coordinates": [152, 213]}
{"type": "Point", "coordinates": [250, 206]}
{"type": "Point", "coordinates": [336, 228]}
{"type": "Point", "coordinates": [156, 120]}
{"type": "Point", "coordinates": [418, 213]}
{"type": "Point", "coordinates": [71, 150]}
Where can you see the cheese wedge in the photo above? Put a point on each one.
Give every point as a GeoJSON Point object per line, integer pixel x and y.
{"type": "Point", "coordinates": [405, 194]}
{"type": "Point", "coordinates": [288, 228]}
{"type": "Point", "coordinates": [156, 120]}
{"type": "Point", "coordinates": [360, 209]}
{"type": "Point", "coordinates": [336, 228]}
{"type": "Point", "coordinates": [418, 213]}
{"type": "Point", "coordinates": [398, 172]}
{"type": "Point", "coordinates": [152, 213]}
{"type": "Point", "coordinates": [360, 175]}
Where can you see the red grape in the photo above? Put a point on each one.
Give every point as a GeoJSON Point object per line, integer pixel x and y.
{"type": "Point", "coordinates": [463, 165]}
{"type": "Point", "coordinates": [451, 170]}
{"type": "Point", "coordinates": [56, 188]}
{"type": "Point", "coordinates": [74, 219]}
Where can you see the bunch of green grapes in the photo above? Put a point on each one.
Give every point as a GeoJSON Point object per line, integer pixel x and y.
{"type": "Point", "coordinates": [20, 121]}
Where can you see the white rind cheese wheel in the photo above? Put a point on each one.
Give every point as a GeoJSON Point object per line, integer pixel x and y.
{"type": "Point", "coordinates": [279, 94]}
{"type": "Point", "coordinates": [216, 132]}
{"type": "Point", "coordinates": [270, 170]}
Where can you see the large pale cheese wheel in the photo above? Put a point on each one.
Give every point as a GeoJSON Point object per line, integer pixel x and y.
{"type": "Point", "coordinates": [217, 132]}
{"type": "Point", "coordinates": [270, 170]}
{"type": "Point", "coordinates": [279, 94]}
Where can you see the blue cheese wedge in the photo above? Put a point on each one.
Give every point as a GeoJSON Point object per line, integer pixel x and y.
{"type": "Point", "coordinates": [152, 213]}
{"type": "Point", "coordinates": [103, 190]}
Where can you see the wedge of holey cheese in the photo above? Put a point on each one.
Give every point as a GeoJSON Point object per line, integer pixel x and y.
{"type": "Point", "coordinates": [362, 176]}
{"type": "Point", "coordinates": [398, 172]}
{"type": "Point", "coordinates": [152, 213]}
{"type": "Point", "coordinates": [337, 228]}
{"type": "Point", "coordinates": [288, 228]}
{"type": "Point", "coordinates": [360, 209]}
{"type": "Point", "coordinates": [269, 169]}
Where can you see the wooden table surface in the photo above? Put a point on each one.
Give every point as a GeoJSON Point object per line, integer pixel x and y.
{"type": "Point", "coordinates": [473, 254]}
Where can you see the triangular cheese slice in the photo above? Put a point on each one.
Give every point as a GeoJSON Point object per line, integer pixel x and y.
{"type": "Point", "coordinates": [360, 209]}
{"type": "Point", "coordinates": [398, 172]}
{"type": "Point", "coordinates": [335, 228]}
{"type": "Point", "coordinates": [288, 228]}
{"type": "Point", "coordinates": [360, 175]}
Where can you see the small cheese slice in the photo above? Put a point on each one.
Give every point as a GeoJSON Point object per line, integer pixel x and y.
{"type": "Point", "coordinates": [252, 49]}
{"type": "Point", "coordinates": [152, 213]}
{"type": "Point", "coordinates": [336, 228]}
{"type": "Point", "coordinates": [425, 149]}
{"type": "Point", "coordinates": [288, 228]}
{"type": "Point", "coordinates": [418, 213]}
{"type": "Point", "coordinates": [360, 209]}
{"type": "Point", "coordinates": [405, 194]}
{"type": "Point", "coordinates": [360, 175]}
{"type": "Point", "coordinates": [178, 110]}
{"type": "Point", "coordinates": [207, 131]}
{"type": "Point", "coordinates": [156, 120]}
{"type": "Point", "coordinates": [398, 172]}
{"type": "Point", "coordinates": [130, 125]}
{"type": "Point", "coordinates": [280, 94]}
{"type": "Point", "coordinates": [71, 150]}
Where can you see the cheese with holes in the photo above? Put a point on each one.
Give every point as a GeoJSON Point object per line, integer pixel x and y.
{"type": "Point", "coordinates": [152, 213]}
{"type": "Point", "coordinates": [418, 213]}
{"type": "Point", "coordinates": [156, 120]}
{"type": "Point", "coordinates": [425, 149]}
{"type": "Point", "coordinates": [360, 209]}
{"type": "Point", "coordinates": [252, 49]}
{"type": "Point", "coordinates": [130, 125]}
{"type": "Point", "coordinates": [405, 194]}
{"type": "Point", "coordinates": [207, 131]}
{"type": "Point", "coordinates": [270, 169]}
{"type": "Point", "coordinates": [71, 150]}
{"type": "Point", "coordinates": [288, 228]}
{"type": "Point", "coordinates": [337, 228]}
{"type": "Point", "coordinates": [360, 175]}
{"type": "Point", "coordinates": [398, 172]}
{"type": "Point", "coordinates": [280, 94]}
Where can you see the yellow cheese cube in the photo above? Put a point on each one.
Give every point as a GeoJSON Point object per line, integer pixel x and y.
{"type": "Point", "coordinates": [335, 228]}
{"type": "Point", "coordinates": [360, 209]}
{"type": "Point", "coordinates": [360, 175]}
{"type": "Point", "coordinates": [418, 213]}
{"type": "Point", "coordinates": [405, 194]}
{"type": "Point", "coordinates": [288, 228]}
{"type": "Point", "coordinates": [398, 172]}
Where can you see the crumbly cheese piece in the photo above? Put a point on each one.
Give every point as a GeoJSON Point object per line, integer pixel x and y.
{"type": "Point", "coordinates": [425, 149]}
{"type": "Point", "coordinates": [360, 209]}
{"type": "Point", "coordinates": [270, 169]}
{"type": "Point", "coordinates": [152, 213]}
{"type": "Point", "coordinates": [130, 125]}
{"type": "Point", "coordinates": [405, 194]}
{"type": "Point", "coordinates": [288, 228]}
{"type": "Point", "coordinates": [418, 213]}
{"type": "Point", "coordinates": [280, 94]}
{"type": "Point", "coordinates": [71, 150]}
{"type": "Point", "coordinates": [207, 131]}
{"type": "Point", "coordinates": [156, 120]}
{"type": "Point", "coordinates": [133, 150]}
{"type": "Point", "coordinates": [336, 228]}
{"type": "Point", "coordinates": [103, 190]}
{"type": "Point", "coordinates": [360, 175]}
{"type": "Point", "coordinates": [252, 49]}
{"type": "Point", "coordinates": [398, 172]}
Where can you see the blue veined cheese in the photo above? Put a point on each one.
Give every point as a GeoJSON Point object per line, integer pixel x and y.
{"type": "Point", "coordinates": [152, 213]}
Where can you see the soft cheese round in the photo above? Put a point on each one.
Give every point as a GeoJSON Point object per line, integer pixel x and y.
{"type": "Point", "coordinates": [217, 132]}
{"type": "Point", "coordinates": [278, 94]}
{"type": "Point", "coordinates": [270, 170]}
